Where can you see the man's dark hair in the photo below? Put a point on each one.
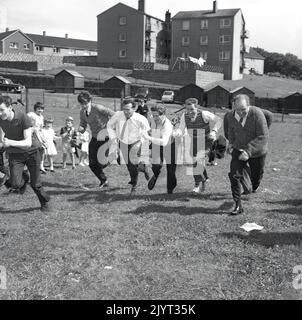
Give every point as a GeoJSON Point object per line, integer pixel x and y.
{"type": "Point", "coordinates": [129, 101]}
{"type": "Point", "coordinates": [6, 100]}
{"type": "Point", "coordinates": [84, 97]}
{"type": "Point", "coordinates": [160, 108]}
{"type": "Point", "coordinates": [38, 105]}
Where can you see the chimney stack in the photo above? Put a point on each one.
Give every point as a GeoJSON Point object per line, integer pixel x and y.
{"type": "Point", "coordinates": [141, 5]}
{"type": "Point", "coordinates": [7, 29]}
{"type": "Point", "coordinates": [215, 6]}
{"type": "Point", "coordinates": [44, 33]}
{"type": "Point", "coordinates": [168, 16]}
{"type": "Point", "coordinates": [66, 35]}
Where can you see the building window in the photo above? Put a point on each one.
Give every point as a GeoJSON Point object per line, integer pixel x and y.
{"type": "Point", "coordinates": [26, 46]}
{"type": "Point", "coordinates": [204, 24]}
{"type": "Point", "coordinates": [224, 55]}
{"type": "Point", "coordinates": [185, 41]}
{"type": "Point", "coordinates": [185, 55]}
{"type": "Point", "coordinates": [225, 39]}
{"type": "Point", "coordinates": [122, 37]}
{"type": "Point", "coordinates": [39, 48]}
{"type": "Point", "coordinates": [204, 40]}
{"type": "Point", "coordinates": [123, 21]}
{"type": "Point", "coordinates": [225, 23]}
{"type": "Point", "coordinates": [14, 45]}
{"type": "Point", "coordinates": [122, 53]}
{"type": "Point", "coordinates": [186, 25]}
{"type": "Point", "coordinates": [72, 51]}
{"type": "Point", "coordinates": [56, 50]}
{"type": "Point", "coordinates": [204, 55]}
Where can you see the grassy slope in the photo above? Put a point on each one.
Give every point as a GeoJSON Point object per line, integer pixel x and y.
{"type": "Point", "coordinates": [159, 246]}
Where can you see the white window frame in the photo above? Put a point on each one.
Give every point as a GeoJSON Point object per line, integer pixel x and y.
{"type": "Point", "coordinates": [56, 50]}
{"type": "Point", "coordinates": [14, 45]}
{"type": "Point", "coordinates": [186, 24]}
{"type": "Point", "coordinates": [122, 55]}
{"type": "Point", "coordinates": [204, 55]}
{"type": "Point", "coordinates": [223, 23]}
{"type": "Point", "coordinates": [222, 38]}
{"type": "Point", "coordinates": [224, 55]}
{"type": "Point", "coordinates": [201, 42]}
{"type": "Point", "coordinates": [72, 51]}
{"type": "Point", "coordinates": [185, 43]}
{"type": "Point", "coordinates": [122, 37]}
{"type": "Point", "coordinates": [204, 24]}
{"type": "Point", "coordinates": [26, 46]}
{"type": "Point", "coordinates": [123, 21]}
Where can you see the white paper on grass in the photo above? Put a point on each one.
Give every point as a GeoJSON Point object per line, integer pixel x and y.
{"type": "Point", "coordinates": [248, 227]}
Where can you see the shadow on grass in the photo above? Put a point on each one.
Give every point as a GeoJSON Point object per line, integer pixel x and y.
{"type": "Point", "coordinates": [268, 239]}
{"type": "Point", "coordinates": [26, 210]}
{"type": "Point", "coordinates": [293, 206]}
{"type": "Point", "coordinates": [184, 211]}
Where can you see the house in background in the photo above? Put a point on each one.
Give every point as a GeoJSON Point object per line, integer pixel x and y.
{"type": "Point", "coordinates": [217, 36]}
{"type": "Point", "coordinates": [16, 41]}
{"type": "Point", "coordinates": [254, 62]}
{"type": "Point", "coordinates": [128, 35]}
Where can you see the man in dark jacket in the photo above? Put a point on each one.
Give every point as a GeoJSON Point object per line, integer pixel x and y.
{"type": "Point", "coordinates": [246, 129]}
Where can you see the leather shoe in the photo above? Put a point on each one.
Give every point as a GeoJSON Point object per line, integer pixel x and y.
{"type": "Point", "coordinates": [152, 183]}
{"type": "Point", "coordinates": [237, 210]}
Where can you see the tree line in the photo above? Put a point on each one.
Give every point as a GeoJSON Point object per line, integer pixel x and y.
{"type": "Point", "coordinates": [287, 64]}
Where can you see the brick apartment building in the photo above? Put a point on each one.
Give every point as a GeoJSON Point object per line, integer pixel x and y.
{"type": "Point", "coordinates": [128, 35]}
{"type": "Point", "coordinates": [218, 36]}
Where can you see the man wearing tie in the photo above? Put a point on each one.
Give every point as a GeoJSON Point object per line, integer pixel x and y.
{"type": "Point", "coordinates": [96, 116]}
{"type": "Point", "coordinates": [246, 129]}
{"type": "Point", "coordinates": [126, 130]}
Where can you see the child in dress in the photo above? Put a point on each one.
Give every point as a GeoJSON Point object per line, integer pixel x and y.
{"type": "Point", "coordinates": [69, 137]}
{"type": "Point", "coordinates": [37, 120]}
{"type": "Point", "coordinates": [49, 136]}
{"type": "Point", "coordinates": [84, 143]}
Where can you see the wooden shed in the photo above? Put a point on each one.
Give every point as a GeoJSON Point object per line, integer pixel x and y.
{"type": "Point", "coordinates": [291, 103]}
{"type": "Point", "coordinates": [117, 86]}
{"type": "Point", "coordinates": [218, 97]}
{"type": "Point", "coordinates": [242, 90]}
{"type": "Point", "coordinates": [192, 91]}
{"type": "Point", "coordinates": [68, 80]}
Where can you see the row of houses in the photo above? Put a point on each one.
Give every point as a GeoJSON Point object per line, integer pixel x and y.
{"type": "Point", "coordinates": [129, 36]}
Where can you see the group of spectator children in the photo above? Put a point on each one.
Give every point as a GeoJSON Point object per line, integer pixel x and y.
{"type": "Point", "coordinates": [73, 142]}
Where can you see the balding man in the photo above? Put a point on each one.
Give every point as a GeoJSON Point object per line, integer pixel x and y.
{"type": "Point", "coordinates": [247, 131]}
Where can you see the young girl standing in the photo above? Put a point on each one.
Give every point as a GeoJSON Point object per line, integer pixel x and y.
{"type": "Point", "coordinates": [50, 136]}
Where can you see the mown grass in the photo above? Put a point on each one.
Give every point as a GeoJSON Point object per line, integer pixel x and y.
{"type": "Point", "coordinates": [157, 246]}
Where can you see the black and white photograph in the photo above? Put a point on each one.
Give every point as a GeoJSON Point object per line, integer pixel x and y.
{"type": "Point", "coordinates": [150, 151]}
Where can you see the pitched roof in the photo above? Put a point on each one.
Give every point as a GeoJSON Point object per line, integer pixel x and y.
{"type": "Point", "coordinates": [253, 54]}
{"type": "Point", "coordinates": [72, 72]}
{"type": "Point", "coordinates": [124, 5]}
{"type": "Point", "coordinates": [6, 34]}
{"type": "Point", "coordinates": [215, 87]}
{"type": "Point", "coordinates": [62, 42]}
{"type": "Point", "coordinates": [240, 88]}
{"type": "Point", "coordinates": [121, 79]}
{"type": "Point", "coordinates": [3, 35]}
{"type": "Point", "coordinates": [205, 14]}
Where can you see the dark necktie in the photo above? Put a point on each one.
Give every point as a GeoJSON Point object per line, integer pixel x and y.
{"type": "Point", "coordinates": [241, 120]}
{"type": "Point", "coordinates": [124, 130]}
{"type": "Point", "coordinates": [87, 113]}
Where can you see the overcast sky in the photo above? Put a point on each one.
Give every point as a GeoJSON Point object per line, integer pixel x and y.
{"type": "Point", "coordinates": [274, 25]}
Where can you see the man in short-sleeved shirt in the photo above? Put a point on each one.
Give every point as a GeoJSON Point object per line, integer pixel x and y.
{"type": "Point", "coordinates": [23, 150]}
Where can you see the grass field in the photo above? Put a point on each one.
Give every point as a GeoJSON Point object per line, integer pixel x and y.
{"type": "Point", "coordinates": [107, 245]}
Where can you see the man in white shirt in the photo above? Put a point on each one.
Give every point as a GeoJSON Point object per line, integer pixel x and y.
{"type": "Point", "coordinates": [163, 147]}
{"type": "Point", "coordinates": [126, 129]}
{"type": "Point", "coordinates": [198, 125]}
